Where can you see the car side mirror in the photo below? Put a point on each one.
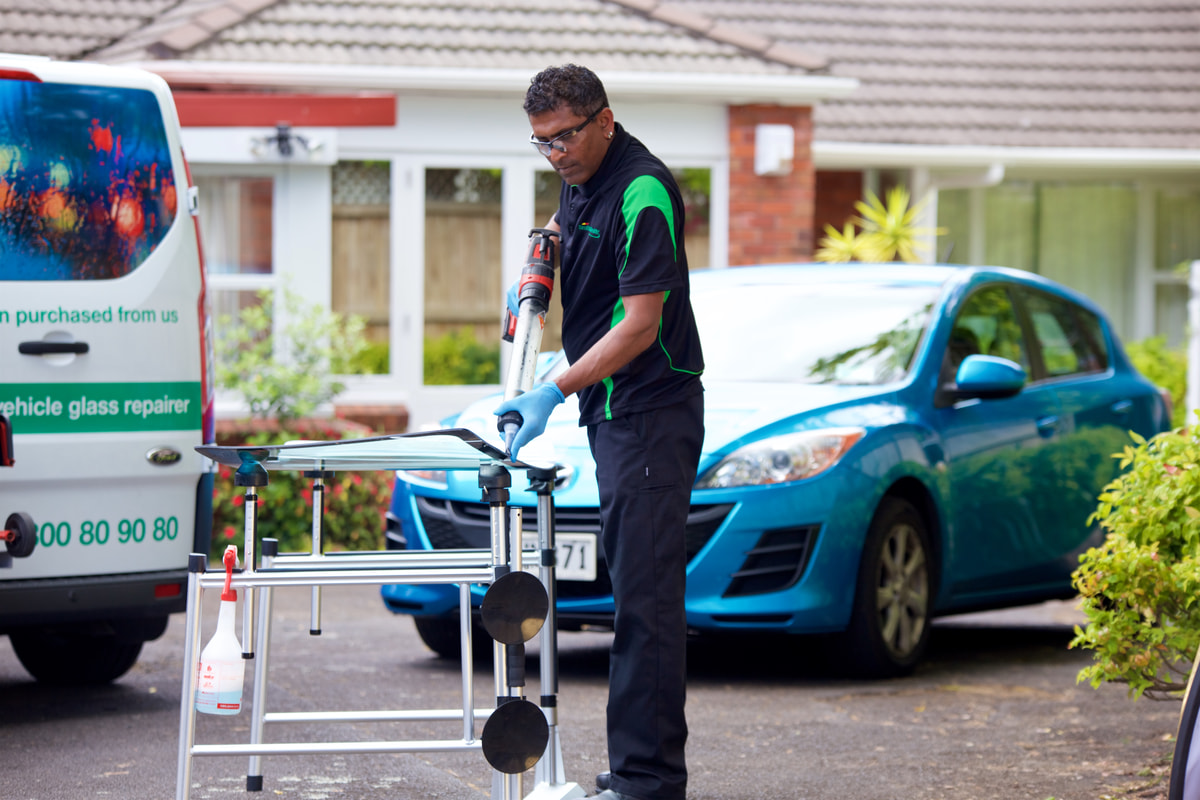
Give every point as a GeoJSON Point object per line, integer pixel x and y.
{"type": "Point", "coordinates": [988, 378]}
{"type": "Point", "coordinates": [981, 378]}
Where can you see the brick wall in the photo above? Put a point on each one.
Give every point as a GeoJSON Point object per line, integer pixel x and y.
{"type": "Point", "coordinates": [770, 216]}
{"type": "Point", "coordinates": [837, 192]}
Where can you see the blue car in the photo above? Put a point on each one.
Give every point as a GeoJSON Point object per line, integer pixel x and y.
{"type": "Point", "coordinates": [884, 443]}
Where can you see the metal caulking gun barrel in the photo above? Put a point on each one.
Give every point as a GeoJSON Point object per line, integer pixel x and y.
{"type": "Point", "coordinates": [525, 329]}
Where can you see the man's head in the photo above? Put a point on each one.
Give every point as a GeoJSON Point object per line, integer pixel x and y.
{"type": "Point", "coordinates": [572, 123]}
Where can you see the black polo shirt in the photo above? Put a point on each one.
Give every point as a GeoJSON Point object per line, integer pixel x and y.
{"type": "Point", "coordinates": [622, 235]}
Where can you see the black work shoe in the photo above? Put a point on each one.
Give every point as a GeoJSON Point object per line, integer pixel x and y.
{"type": "Point", "coordinates": [609, 794]}
{"type": "Point", "coordinates": [603, 780]}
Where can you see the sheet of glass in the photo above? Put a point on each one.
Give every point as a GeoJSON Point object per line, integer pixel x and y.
{"type": "Point", "coordinates": [451, 448]}
{"type": "Point", "coordinates": [87, 189]}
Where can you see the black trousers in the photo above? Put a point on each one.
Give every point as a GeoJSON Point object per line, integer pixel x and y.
{"type": "Point", "coordinates": [645, 468]}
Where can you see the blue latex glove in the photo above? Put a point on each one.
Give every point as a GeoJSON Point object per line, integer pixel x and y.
{"type": "Point", "coordinates": [534, 407]}
{"type": "Point", "coordinates": [513, 298]}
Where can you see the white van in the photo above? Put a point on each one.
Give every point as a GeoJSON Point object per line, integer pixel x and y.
{"type": "Point", "coordinates": [104, 364]}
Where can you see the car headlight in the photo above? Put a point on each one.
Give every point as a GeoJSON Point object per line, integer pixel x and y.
{"type": "Point", "coordinates": [792, 457]}
{"type": "Point", "coordinates": [425, 477]}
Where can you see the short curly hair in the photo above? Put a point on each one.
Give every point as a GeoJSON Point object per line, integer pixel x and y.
{"type": "Point", "coordinates": [571, 85]}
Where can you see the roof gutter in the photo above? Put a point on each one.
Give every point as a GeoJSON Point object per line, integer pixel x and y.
{"type": "Point", "coordinates": [679, 86]}
{"type": "Point", "coordinates": [852, 155]}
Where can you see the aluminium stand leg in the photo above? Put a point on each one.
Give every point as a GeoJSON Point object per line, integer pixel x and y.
{"type": "Point", "coordinates": [494, 480]}
{"type": "Point", "coordinates": [466, 661]}
{"type": "Point", "coordinates": [251, 475]}
{"type": "Point", "coordinates": [549, 775]}
{"type": "Point", "coordinates": [318, 541]}
{"type": "Point", "coordinates": [258, 709]}
{"type": "Point", "coordinates": [197, 562]}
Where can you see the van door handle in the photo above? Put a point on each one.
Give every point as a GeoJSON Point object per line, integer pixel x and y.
{"type": "Point", "coordinates": [46, 348]}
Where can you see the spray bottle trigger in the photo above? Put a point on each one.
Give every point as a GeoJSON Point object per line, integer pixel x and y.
{"type": "Point", "coordinates": [229, 559]}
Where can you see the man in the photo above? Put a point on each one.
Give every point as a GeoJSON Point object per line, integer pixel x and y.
{"type": "Point", "coordinates": [635, 356]}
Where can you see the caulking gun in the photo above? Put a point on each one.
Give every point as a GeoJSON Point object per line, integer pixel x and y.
{"type": "Point", "coordinates": [525, 329]}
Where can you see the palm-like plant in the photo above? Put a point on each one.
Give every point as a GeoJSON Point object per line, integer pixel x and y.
{"type": "Point", "coordinates": [891, 226]}
{"type": "Point", "coordinates": [846, 245]}
{"type": "Point", "coordinates": [888, 231]}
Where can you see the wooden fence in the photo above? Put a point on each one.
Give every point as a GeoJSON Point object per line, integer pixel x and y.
{"type": "Point", "coordinates": [462, 269]}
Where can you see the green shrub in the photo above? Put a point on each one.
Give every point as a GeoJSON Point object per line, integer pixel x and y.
{"type": "Point", "coordinates": [286, 372]}
{"type": "Point", "coordinates": [1166, 368]}
{"type": "Point", "coordinates": [373, 360]}
{"type": "Point", "coordinates": [458, 358]}
{"type": "Point", "coordinates": [1141, 589]}
{"type": "Point", "coordinates": [355, 505]}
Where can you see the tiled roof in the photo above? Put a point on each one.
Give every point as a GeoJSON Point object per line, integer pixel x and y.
{"type": "Point", "coordinates": [1050, 73]}
{"type": "Point", "coordinates": [73, 29]}
{"type": "Point", "coordinates": [526, 34]}
{"type": "Point", "coordinates": [1091, 73]}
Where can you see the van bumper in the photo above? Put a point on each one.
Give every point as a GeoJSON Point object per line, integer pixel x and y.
{"type": "Point", "coordinates": [51, 601]}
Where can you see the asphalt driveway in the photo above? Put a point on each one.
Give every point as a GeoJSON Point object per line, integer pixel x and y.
{"type": "Point", "coordinates": [994, 712]}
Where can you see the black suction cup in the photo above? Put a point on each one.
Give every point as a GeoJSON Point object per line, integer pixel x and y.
{"type": "Point", "coordinates": [515, 736]}
{"type": "Point", "coordinates": [514, 608]}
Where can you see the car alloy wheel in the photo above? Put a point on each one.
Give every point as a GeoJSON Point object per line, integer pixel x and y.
{"type": "Point", "coordinates": [902, 590]}
{"type": "Point", "coordinates": [889, 626]}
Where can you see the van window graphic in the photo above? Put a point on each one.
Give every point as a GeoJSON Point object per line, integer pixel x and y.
{"type": "Point", "coordinates": [86, 185]}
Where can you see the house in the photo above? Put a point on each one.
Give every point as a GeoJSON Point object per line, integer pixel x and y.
{"type": "Point", "coordinates": [372, 154]}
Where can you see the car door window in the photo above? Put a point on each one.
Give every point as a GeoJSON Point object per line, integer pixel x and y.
{"type": "Point", "coordinates": [1067, 336]}
{"type": "Point", "coordinates": [986, 325]}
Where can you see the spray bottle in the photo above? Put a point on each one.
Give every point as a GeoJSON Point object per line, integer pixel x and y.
{"type": "Point", "coordinates": [222, 670]}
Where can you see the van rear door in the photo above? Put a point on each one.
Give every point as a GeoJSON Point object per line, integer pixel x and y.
{"type": "Point", "coordinates": [102, 315]}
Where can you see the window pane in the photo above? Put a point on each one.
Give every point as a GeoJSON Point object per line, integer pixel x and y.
{"type": "Point", "coordinates": [228, 305]}
{"type": "Point", "coordinates": [1178, 239]}
{"type": "Point", "coordinates": [1176, 245]}
{"type": "Point", "coordinates": [989, 318]}
{"type": "Point", "coordinates": [235, 224]}
{"type": "Point", "coordinates": [1011, 237]}
{"type": "Point", "coordinates": [696, 187]}
{"type": "Point", "coordinates": [1067, 347]}
{"type": "Point", "coordinates": [954, 217]}
{"type": "Point", "coordinates": [1170, 313]}
{"type": "Point", "coordinates": [1086, 236]}
{"type": "Point", "coordinates": [86, 185]}
{"type": "Point", "coordinates": [546, 185]}
{"type": "Point", "coordinates": [462, 276]}
{"type": "Point", "coordinates": [362, 253]}
{"type": "Point", "coordinates": [236, 236]}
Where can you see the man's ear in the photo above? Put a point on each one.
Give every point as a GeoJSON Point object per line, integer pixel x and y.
{"type": "Point", "coordinates": [607, 120]}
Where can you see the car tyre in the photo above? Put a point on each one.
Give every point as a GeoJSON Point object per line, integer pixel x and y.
{"type": "Point", "coordinates": [441, 635]}
{"type": "Point", "coordinates": [890, 622]}
{"type": "Point", "coordinates": [61, 657]}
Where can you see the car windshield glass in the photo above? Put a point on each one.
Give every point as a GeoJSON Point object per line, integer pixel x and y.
{"type": "Point", "coordinates": [844, 333]}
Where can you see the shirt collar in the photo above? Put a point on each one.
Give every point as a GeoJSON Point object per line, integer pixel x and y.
{"type": "Point", "coordinates": [616, 149]}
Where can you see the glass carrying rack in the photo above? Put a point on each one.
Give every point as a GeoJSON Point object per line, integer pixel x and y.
{"type": "Point", "coordinates": [517, 735]}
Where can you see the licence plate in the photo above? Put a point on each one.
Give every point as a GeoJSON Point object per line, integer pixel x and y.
{"type": "Point", "coordinates": [574, 555]}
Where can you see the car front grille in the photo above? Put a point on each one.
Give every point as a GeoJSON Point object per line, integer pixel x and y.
{"type": "Point", "coordinates": [775, 563]}
{"type": "Point", "coordinates": [451, 525]}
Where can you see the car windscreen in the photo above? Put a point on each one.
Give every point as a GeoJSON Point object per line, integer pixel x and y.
{"type": "Point", "coordinates": [842, 333]}
{"type": "Point", "coordinates": [87, 189]}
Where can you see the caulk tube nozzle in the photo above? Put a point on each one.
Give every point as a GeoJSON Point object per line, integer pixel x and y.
{"type": "Point", "coordinates": [509, 423]}
{"type": "Point", "coordinates": [510, 433]}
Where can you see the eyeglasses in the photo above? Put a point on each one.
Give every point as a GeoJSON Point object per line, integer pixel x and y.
{"type": "Point", "coordinates": [557, 143]}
